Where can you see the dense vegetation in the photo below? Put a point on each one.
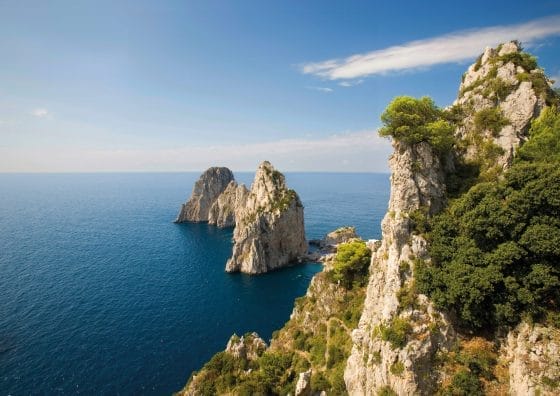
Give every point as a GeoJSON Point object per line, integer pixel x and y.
{"type": "Point", "coordinates": [412, 120]}
{"type": "Point", "coordinates": [496, 249]}
{"type": "Point", "coordinates": [351, 264]}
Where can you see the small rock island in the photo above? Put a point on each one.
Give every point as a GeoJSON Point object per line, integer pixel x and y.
{"type": "Point", "coordinates": [268, 219]}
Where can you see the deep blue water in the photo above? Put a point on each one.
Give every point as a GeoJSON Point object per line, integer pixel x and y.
{"type": "Point", "coordinates": [100, 293]}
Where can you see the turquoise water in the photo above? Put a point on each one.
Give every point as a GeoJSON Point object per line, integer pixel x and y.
{"type": "Point", "coordinates": [102, 294]}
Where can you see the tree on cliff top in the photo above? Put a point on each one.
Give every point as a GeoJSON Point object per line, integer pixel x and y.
{"type": "Point", "coordinates": [412, 120]}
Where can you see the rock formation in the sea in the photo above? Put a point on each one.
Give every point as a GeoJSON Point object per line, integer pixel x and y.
{"type": "Point", "coordinates": [340, 235]}
{"type": "Point", "coordinates": [205, 192]}
{"type": "Point", "coordinates": [233, 199]}
{"type": "Point", "coordinates": [269, 231]}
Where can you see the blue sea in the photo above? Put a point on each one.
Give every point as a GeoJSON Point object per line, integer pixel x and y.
{"type": "Point", "coordinates": [100, 293]}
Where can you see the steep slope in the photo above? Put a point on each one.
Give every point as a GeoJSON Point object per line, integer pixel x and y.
{"type": "Point", "coordinates": [396, 339]}
{"type": "Point", "coordinates": [498, 97]}
{"type": "Point", "coordinates": [403, 344]}
{"type": "Point", "coordinates": [308, 354]}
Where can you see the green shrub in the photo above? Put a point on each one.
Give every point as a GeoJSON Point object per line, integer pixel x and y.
{"type": "Point", "coordinates": [465, 383]}
{"type": "Point", "coordinates": [412, 121]}
{"type": "Point", "coordinates": [396, 332]}
{"type": "Point", "coordinates": [544, 138]}
{"type": "Point", "coordinates": [319, 382]}
{"type": "Point", "coordinates": [490, 119]}
{"type": "Point", "coordinates": [494, 251]}
{"type": "Point", "coordinates": [397, 368]}
{"type": "Point", "coordinates": [336, 355]}
{"type": "Point", "coordinates": [419, 220]}
{"type": "Point", "coordinates": [351, 264]}
{"type": "Point", "coordinates": [407, 296]}
{"type": "Point", "coordinates": [386, 391]}
{"type": "Point", "coordinates": [523, 59]}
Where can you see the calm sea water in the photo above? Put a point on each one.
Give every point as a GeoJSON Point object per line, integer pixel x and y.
{"type": "Point", "coordinates": [100, 293]}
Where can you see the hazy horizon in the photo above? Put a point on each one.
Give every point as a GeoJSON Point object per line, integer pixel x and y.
{"type": "Point", "coordinates": [182, 86]}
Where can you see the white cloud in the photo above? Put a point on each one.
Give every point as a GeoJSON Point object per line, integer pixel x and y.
{"type": "Point", "coordinates": [347, 83]}
{"type": "Point", "coordinates": [556, 80]}
{"type": "Point", "coordinates": [453, 47]}
{"type": "Point", "coordinates": [321, 89]}
{"type": "Point", "coordinates": [41, 113]}
{"type": "Point", "coordinates": [363, 151]}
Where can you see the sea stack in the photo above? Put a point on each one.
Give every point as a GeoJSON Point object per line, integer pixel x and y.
{"type": "Point", "coordinates": [205, 192]}
{"type": "Point", "coordinates": [269, 231]}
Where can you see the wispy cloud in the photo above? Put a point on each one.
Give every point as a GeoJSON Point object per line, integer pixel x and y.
{"type": "Point", "coordinates": [453, 47]}
{"type": "Point", "coordinates": [556, 80]}
{"type": "Point", "coordinates": [347, 83]}
{"type": "Point", "coordinates": [321, 89]}
{"type": "Point", "coordinates": [40, 112]}
{"type": "Point", "coordinates": [356, 151]}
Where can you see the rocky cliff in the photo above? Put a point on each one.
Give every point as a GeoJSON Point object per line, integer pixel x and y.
{"type": "Point", "coordinates": [498, 97]}
{"type": "Point", "coordinates": [402, 340]}
{"type": "Point", "coordinates": [306, 356]}
{"type": "Point", "coordinates": [396, 339]}
{"type": "Point", "coordinates": [205, 192]}
{"type": "Point", "coordinates": [269, 231]}
{"type": "Point", "coordinates": [231, 201]}
{"type": "Point", "coordinates": [398, 342]}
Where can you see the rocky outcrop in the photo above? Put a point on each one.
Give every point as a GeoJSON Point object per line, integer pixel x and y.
{"type": "Point", "coordinates": [303, 385]}
{"type": "Point", "coordinates": [205, 192]}
{"type": "Point", "coordinates": [340, 235]}
{"type": "Point", "coordinates": [244, 349]}
{"type": "Point", "coordinates": [230, 201]}
{"type": "Point", "coordinates": [269, 231]}
{"type": "Point", "coordinates": [507, 80]}
{"type": "Point", "coordinates": [417, 183]}
{"type": "Point", "coordinates": [533, 353]}
{"type": "Point", "coordinates": [249, 346]}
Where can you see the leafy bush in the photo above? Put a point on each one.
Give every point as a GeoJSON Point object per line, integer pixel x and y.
{"type": "Point", "coordinates": [351, 264]}
{"type": "Point", "coordinates": [496, 250]}
{"type": "Point", "coordinates": [386, 391]}
{"type": "Point", "coordinates": [490, 119]}
{"type": "Point", "coordinates": [523, 59]}
{"type": "Point", "coordinates": [397, 368]}
{"type": "Point", "coordinates": [544, 142]}
{"type": "Point", "coordinates": [412, 121]}
{"type": "Point", "coordinates": [465, 383]}
{"type": "Point", "coordinates": [396, 332]}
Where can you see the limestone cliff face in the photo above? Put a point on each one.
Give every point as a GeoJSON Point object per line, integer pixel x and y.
{"type": "Point", "coordinates": [517, 89]}
{"type": "Point", "coordinates": [533, 354]}
{"type": "Point", "coordinates": [233, 199]}
{"type": "Point", "coordinates": [269, 231]}
{"type": "Point", "coordinates": [205, 192]}
{"type": "Point", "coordinates": [417, 183]}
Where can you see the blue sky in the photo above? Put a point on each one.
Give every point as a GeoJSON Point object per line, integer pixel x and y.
{"type": "Point", "coordinates": [181, 86]}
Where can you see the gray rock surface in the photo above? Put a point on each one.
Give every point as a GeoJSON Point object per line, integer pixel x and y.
{"type": "Point", "coordinates": [247, 347]}
{"type": "Point", "coordinates": [205, 192]}
{"type": "Point", "coordinates": [340, 235]}
{"type": "Point", "coordinates": [533, 353]}
{"type": "Point", "coordinates": [269, 231]}
{"type": "Point", "coordinates": [417, 181]}
{"type": "Point", "coordinates": [519, 107]}
{"type": "Point", "coordinates": [303, 385]}
{"type": "Point", "coordinates": [230, 201]}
